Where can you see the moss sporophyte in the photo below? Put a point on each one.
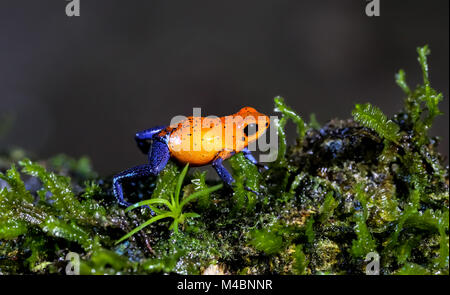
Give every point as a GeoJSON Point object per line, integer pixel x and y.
{"type": "Point", "coordinates": [346, 189]}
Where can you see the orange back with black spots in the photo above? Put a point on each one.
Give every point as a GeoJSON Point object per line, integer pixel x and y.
{"type": "Point", "coordinates": [200, 140]}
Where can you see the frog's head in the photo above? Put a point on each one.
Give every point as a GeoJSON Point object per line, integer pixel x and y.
{"type": "Point", "coordinates": [252, 125]}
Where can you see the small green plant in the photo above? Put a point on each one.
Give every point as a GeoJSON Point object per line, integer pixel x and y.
{"type": "Point", "coordinates": [421, 103]}
{"type": "Point", "coordinates": [364, 242]}
{"type": "Point", "coordinates": [175, 207]}
{"type": "Point", "coordinates": [287, 113]}
{"type": "Point", "coordinates": [373, 118]}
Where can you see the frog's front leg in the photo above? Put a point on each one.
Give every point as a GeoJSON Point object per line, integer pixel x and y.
{"type": "Point", "coordinates": [143, 138]}
{"type": "Point", "coordinates": [225, 175]}
{"type": "Point", "coordinates": [158, 157]}
{"type": "Point", "coordinates": [222, 171]}
{"type": "Point", "coordinates": [252, 159]}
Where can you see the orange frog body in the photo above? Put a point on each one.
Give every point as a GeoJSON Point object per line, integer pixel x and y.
{"type": "Point", "coordinates": [198, 141]}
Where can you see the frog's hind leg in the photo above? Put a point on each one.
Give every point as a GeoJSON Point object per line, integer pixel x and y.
{"type": "Point", "coordinates": [158, 157]}
{"type": "Point", "coordinates": [143, 138]}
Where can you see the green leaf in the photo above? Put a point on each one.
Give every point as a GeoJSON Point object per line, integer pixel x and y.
{"type": "Point", "coordinates": [423, 52]}
{"type": "Point", "coordinates": [180, 183]}
{"type": "Point", "coordinates": [300, 261]}
{"type": "Point", "coordinates": [12, 177]}
{"type": "Point", "coordinates": [157, 210]}
{"type": "Point", "coordinates": [199, 194]}
{"type": "Point", "coordinates": [421, 105]}
{"type": "Point", "coordinates": [266, 241]}
{"type": "Point", "coordinates": [400, 79]}
{"type": "Point", "coordinates": [281, 157]}
{"type": "Point", "coordinates": [309, 232]}
{"type": "Point", "coordinates": [147, 223]}
{"type": "Point", "coordinates": [313, 123]}
{"type": "Point", "coordinates": [149, 202]}
{"type": "Point", "coordinates": [373, 118]}
{"type": "Point", "coordinates": [280, 106]}
{"type": "Point", "coordinates": [327, 208]}
{"type": "Point", "coordinates": [364, 242]}
{"type": "Point", "coordinates": [191, 215]}
{"type": "Point", "coordinates": [174, 226]}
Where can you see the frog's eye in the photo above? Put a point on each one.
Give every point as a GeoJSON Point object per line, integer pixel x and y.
{"type": "Point", "coordinates": [250, 129]}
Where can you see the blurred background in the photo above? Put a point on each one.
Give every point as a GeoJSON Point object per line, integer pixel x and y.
{"type": "Point", "coordinates": [84, 85]}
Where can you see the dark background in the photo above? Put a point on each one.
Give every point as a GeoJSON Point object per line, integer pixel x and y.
{"type": "Point", "coordinates": [84, 85]}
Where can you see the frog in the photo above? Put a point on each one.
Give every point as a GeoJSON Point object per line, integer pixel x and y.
{"type": "Point", "coordinates": [197, 141]}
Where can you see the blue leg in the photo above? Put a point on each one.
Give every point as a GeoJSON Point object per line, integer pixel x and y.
{"type": "Point", "coordinates": [143, 137]}
{"type": "Point", "coordinates": [252, 159]}
{"type": "Point", "coordinates": [159, 156]}
{"type": "Point", "coordinates": [222, 171]}
{"type": "Point", "coordinates": [225, 175]}
{"type": "Point", "coordinates": [132, 173]}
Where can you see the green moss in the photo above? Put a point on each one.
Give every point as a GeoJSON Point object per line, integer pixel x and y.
{"type": "Point", "coordinates": [327, 208]}
{"type": "Point", "coordinates": [194, 250]}
{"type": "Point", "coordinates": [421, 104]}
{"type": "Point", "coordinates": [66, 216]}
{"type": "Point", "coordinates": [281, 156]}
{"type": "Point", "coordinates": [326, 256]}
{"type": "Point", "coordinates": [57, 213]}
{"type": "Point", "coordinates": [364, 242]}
{"type": "Point", "coordinates": [287, 112]}
{"type": "Point", "coordinates": [82, 167]}
{"type": "Point", "coordinates": [267, 241]}
{"type": "Point", "coordinates": [300, 261]}
{"type": "Point", "coordinates": [313, 123]}
{"type": "Point", "coordinates": [412, 269]}
{"type": "Point", "coordinates": [310, 234]}
{"type": "Point", "coordinates": [104, 261]}
{"type": "Point", "coordinates": [166, 264]}
{"type": "Point", "coordinates": [199, 184]}
{"type": "Point", "coordinates": [166, 181]}
{"type": "Point", "coordinates": [373, 118]}
{"type": "Point", "coordinates": [247, 176]}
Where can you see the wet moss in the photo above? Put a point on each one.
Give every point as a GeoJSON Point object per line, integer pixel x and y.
{"type": "Point", "coordinates": [347, 188]}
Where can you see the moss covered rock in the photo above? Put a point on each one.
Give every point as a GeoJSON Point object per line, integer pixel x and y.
{"type": "Point", "coordinates": [370, 184]}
